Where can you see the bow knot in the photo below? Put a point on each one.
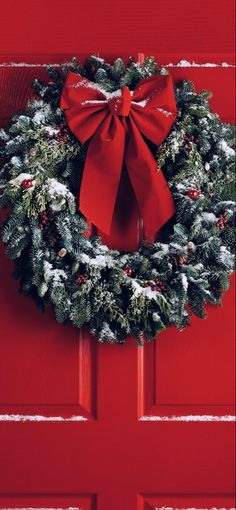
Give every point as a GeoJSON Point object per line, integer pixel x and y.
{"type": "Point", "coordinates": [120, 102]}
{"type": "Point", "coordinates": [115, 123]}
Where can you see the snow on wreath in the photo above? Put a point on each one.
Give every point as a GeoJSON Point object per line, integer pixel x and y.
{"type": "Point", "coordinates": [46, 181]}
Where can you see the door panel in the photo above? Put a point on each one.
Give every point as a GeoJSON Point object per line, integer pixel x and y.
{"type": "Point", "coordinates": [192, 371]}
{"type": "Point", "coordinates": [47, 502]}
{"type": "Point", "coordinates": [45, 368]}
{"type": "Point", "coordinates": [184, 502]}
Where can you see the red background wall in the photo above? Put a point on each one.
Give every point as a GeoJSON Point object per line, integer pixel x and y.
{"type": "Point", "coordinates": [163, 26]}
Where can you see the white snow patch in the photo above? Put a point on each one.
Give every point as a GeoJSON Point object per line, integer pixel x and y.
{"type": "Point", "coordinates": [16, 161]}
{"type": "Point", "coordinates": [180, 186]}
{"type": "Point", "coordinates": [186, 63]}
{"type": "Point", "coordinates": [111, 95]}
{"type": "Point", "coordinates": [165, 112]}
{"type": "Point", "coordinates": [103, 248]}
{"type": "Point", "coordinates": [57, 275]}
{"type": "Point", "coordinates": [178, 247]}
{"type": "Point", "coordinates": [56, 188]}
{"type": "Point", "coordinates": [100, 261]}
{"type": "Point", "coordinates": [39, 117]}
{"type": "Point", "coordinates": [142, 103]}
{"type": "Point", "coordinates": [38, 418]}
{"type": "Point", "coordinates": [164, 248]}
{"type": "Point", "coordinates": [184, 281]}
{"type": "Point", "coordinates": [21, 177]}
{"type": "Point", "coordinates": [228, 151]}
{"type": "Point", "coordinates": [181, 63]}
{"type": "Point", "coordinates": [147, 292]}
{"type": "Point", "coordinates": [94, 85]}
{"type": "Point", "coordinates": [191, 418]}
{"type": "Point", "coordinates": [191, 508]}
{"type": "Point", "coordinates": [205, 216]}
{"type": "Point", "coordinates": [3, 135]}
{"type": "Point", "coordinates": [94, 102]}
{"type": "Point", "coordinates": [51, 131]}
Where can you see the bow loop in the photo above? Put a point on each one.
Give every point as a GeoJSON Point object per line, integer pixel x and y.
{"type": "Point", "coordinates": [153, 107]}
{"type": "Point", "coordinates": [109, 120]}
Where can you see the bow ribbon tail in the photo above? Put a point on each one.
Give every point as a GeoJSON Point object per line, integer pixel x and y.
{"type": "Point", "coordinates": [101, 175]}
{"type": "Point", "coordinates": [154, 198]}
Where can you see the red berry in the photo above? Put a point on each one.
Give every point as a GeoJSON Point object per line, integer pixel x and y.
{"type": "Point", "coordinates": [43, 217]}
{"type": "Point", "coordinates": [81, 279]}
{"type": "Point", "coordinates": [27, 183]}
{"type": "Point", "coordinates": [160, 285]}
{"type": "Point", "coordinates": [194, 194]}
{"type": "Point", "coordinates": [128, 270]}
{"type": "Point", "coordinates": [220, 223]}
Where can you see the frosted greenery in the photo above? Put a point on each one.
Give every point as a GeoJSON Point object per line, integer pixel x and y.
{"type": "Point", "coordinates": [118, 294]}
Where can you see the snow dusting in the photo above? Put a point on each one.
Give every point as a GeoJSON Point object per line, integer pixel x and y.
{"type": "Point", "coordinates": [38, 418]}
{"type": "Point", "coordinates": [191, 508]}
{"type": "Point", "coordinates": [191, 417]}
{"type": "Point", "coordinates": [51, 131]}
{"type": "Point", "coordinates": [24, 176]}
{"type": "Point", "coordinates": [57, 275]}
{"type": "Point", "coordinates": [94, 102]}
{"type": "Point", "coordinates": [165, 112]}
{"type": "Point", "coordinates": [186, 63]}
{"type": "Point", "coordinates": [16, 161]}
{"type": "Point", "coordinates": [39, 117]}
{"type": "Point", "coordinates": [41, 508]}
{"type": "Point", "coordinates": [205, 216]}
{"type": "Point", "coordinates": [100, 261]}
{"type": "Point", "coordinates": [228, 151]}
{"type": "Point", "coordinates": [56, 188]}
{"type": "Point", "coordinates": [181, 63]}
{"type": "Point", "coordinates": [184, 281]}
{"type": "Point", "coordinates": [142, 103]}
{"type": "Point", "coordinates": [144, 291]}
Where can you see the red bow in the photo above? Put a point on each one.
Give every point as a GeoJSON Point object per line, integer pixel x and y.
{"type": "Point", "coordinates": [114, 123]}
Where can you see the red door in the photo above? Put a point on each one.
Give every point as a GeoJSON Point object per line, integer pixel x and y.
{"type": "Point", "coordinates": [89, 426]}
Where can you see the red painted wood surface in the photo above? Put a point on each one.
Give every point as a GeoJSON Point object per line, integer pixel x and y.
{"type": "Point", "coordinates": [114, 460]}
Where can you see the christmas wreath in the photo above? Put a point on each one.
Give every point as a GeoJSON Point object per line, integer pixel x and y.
{"type": "Point", "coordinates": [53, 153]}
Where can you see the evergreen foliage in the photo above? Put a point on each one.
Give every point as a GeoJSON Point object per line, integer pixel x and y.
{"type": "Point", "coordinates": [118, 294]}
